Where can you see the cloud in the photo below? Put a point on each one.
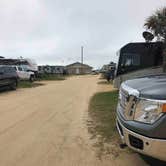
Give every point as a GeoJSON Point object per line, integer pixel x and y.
{"type": "Point", "coordinates": [52, 31]}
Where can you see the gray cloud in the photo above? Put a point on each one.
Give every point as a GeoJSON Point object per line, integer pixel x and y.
{"type": "Point", "coordinates": [52, 31]}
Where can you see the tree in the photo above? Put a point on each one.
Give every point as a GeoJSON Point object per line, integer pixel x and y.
{"type": "Point", "coordinates": [156, 23]}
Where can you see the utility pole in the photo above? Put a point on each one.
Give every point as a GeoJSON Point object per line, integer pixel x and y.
{"type": "Point", "coordinates": [82, 54]}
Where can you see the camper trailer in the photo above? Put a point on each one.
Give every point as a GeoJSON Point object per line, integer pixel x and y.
{"type": "Point", "coordinates": [30, 64]}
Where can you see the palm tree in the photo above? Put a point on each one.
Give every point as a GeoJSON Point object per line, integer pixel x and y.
{"type": "Point", "coordinates": [157, 25]}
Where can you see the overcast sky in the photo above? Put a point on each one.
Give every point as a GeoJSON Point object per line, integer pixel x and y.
{"type": "Point", "coordinates": [52, 31]}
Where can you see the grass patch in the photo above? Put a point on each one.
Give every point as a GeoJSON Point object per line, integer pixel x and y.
{"type": "Point", "coordinates": [102, 123]}
{"type": "Point", "coordinates": [28, 84]}
{"type": "Point", "coordinates": [50, 77]}
{"type": "Point", "coordinates": [105, 82]}
{"type": "Point", "coordinates": [102, 111]}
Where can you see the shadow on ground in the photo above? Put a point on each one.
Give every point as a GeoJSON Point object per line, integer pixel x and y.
{"type": "Point", "coordinates": [104, 82]}
{"type": "Point", "coordinates": [152, 162]}
{"type": "Point", "coordinates": [7, 89]}
{"type": "Point", "coordinates": [27, 84]}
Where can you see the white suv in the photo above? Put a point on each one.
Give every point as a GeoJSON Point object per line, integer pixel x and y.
{"type": "Point", "coordinates": [24, 74]}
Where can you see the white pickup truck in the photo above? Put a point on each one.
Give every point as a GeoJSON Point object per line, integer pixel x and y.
{"type": "Point", "coordinates": [24, 74]}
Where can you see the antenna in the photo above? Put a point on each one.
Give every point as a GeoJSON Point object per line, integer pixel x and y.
{"type": "Point", "coordinates": [82, 54]}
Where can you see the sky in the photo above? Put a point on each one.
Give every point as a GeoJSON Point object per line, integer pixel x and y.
{"type": "Point", "coordinates": [52, 31]}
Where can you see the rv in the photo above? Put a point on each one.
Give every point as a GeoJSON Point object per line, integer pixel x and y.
{"type": "Point", "coordinates": [138, 59]}
{"type": "Point", "coordinates": [30, 64]}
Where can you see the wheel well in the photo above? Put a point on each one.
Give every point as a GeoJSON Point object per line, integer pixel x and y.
{"type": "Point", "coordinates": [16, 81]}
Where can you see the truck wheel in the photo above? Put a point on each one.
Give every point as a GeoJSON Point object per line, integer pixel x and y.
{"type": "Point", "coordinates": [32, 78]}
{"type": "Point", "coordinates": [14, 85]}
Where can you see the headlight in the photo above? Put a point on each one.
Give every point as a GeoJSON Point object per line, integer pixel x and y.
{"type": "Point", "coordinates": [148, 111]}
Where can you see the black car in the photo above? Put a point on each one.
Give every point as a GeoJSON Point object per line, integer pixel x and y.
{"type": "Point", "coordinates": [8, 77]}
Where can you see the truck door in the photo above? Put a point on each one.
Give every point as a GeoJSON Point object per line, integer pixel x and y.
{"type": "Point", "coordinates": [21, 73]}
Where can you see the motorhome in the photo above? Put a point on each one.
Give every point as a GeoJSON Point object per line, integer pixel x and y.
{"type": "Point", "coordinates": [138, 59]}
{"type": "Point", "coordinates": [30, 64]}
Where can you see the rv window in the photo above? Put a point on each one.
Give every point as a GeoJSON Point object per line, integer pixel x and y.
{"type": "Point", "coordinates": [136, 60]}
{"type": "Point", "coordinates": [130, 60]}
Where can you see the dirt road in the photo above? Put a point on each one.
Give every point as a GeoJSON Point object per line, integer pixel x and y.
{"type": "Point", "coordinates": [46, 126]}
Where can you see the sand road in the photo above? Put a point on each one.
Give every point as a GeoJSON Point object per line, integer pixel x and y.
{"type": "Point", "coordinates": [46, 126]}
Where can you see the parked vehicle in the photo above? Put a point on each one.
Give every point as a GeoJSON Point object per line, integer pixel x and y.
{"type": "Point", "coordinates": [138, 59]}
{"type": "Point", "coordinates": [141, 115]}
{"type": "Point", "coordinates": [30, 64]}
{"type": "Point", "coordinates": [24, 74]}
{"type": "Point", "coordinates": [8, 77]}
{"type": "Point", "coordinates": [95, 72]}
{"type": "Point", "coordinates": [47, 69]}
{"type": "Point", "coordinates": [108, 71]}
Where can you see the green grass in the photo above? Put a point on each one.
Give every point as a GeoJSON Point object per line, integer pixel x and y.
{"type": "Point", "coordinates": [50, 77]}
{"type": "Point", "coordinates": [102, 123]}
{"type": "Point", "coordinates": [102, 111]}
{"type": "Point", "coordinates": [28, 84]}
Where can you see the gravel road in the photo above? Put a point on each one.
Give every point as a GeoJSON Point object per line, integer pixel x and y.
{"type": "Point", "coordinates": [46, 126]}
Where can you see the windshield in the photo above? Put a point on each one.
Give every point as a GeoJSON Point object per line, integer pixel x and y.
{"type": "Point", "coordinates": [130, 59]}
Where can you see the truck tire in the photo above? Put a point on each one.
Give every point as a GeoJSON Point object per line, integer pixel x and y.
{"type": "Point", "coordinates": [13, 86]}
{"type": "Point", "coordinates": [32, 78]}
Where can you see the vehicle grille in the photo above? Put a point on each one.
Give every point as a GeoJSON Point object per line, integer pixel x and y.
{"type": "Point", "coordinates": [123, 99]}
{"type": "Point", "coordinates": [127, 103]}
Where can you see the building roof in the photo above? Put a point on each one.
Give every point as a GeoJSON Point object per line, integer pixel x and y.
{"type": "Point", "coordinates": [78, 63]}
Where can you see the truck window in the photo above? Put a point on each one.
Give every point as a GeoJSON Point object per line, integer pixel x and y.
{"type": "Point", "coordinates": [8, 69]}
{"type": "Point", "coordinates": [20, 68]}
{"type": "Point", "coordinates": [1, 69]}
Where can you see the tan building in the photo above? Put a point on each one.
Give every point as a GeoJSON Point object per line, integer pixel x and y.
{"type": "Point", "coordinates": [78, 68]}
